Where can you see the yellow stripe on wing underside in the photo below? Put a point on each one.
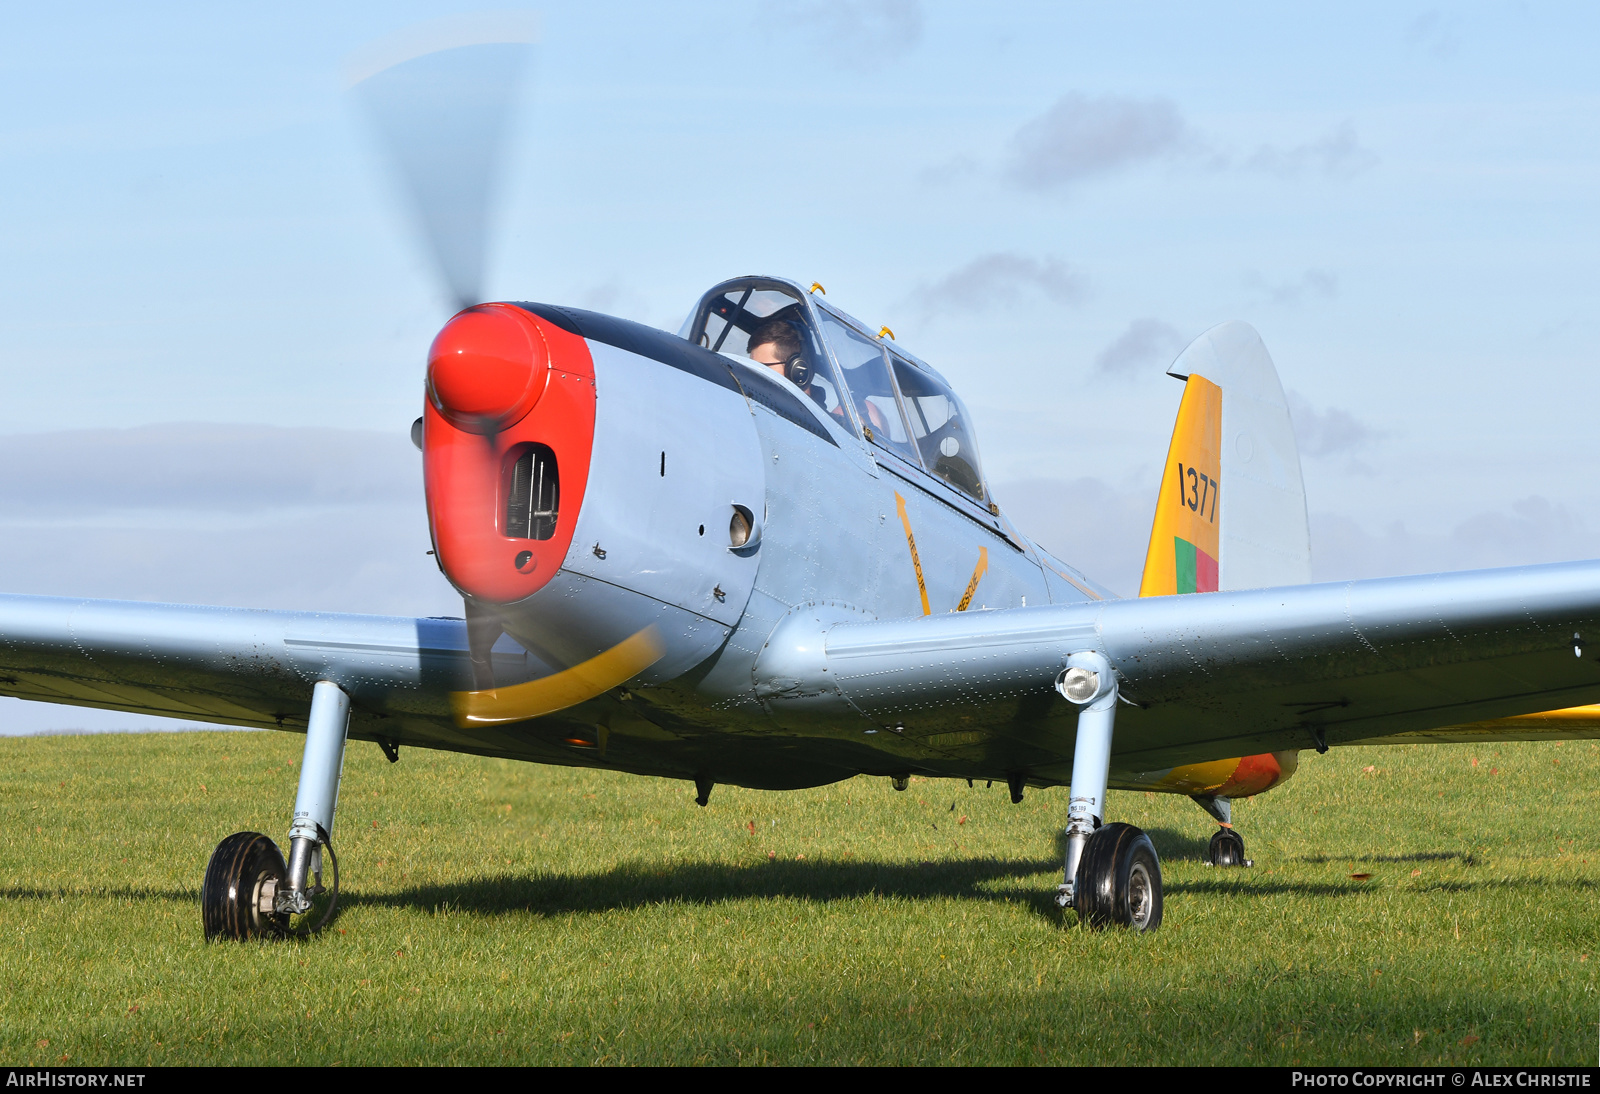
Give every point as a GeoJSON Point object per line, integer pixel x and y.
{"type": "Point", "coordinates": [1554, 720]}
{"type": "Point", "coordinates": [1552, 725]}
{"type": "Point", "coordinates": [581, 682]}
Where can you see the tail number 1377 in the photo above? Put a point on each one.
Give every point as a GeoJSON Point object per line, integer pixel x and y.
{"type": "Point", "coordinates": [1198, 491]}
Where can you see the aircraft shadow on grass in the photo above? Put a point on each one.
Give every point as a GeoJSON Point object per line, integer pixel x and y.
{"type": "Point", "coordinates": [639, 886]}
{"type": "Point", "coordinates": [1467, 858]}
{"type": "Point", "coordinates": [636, 885]}
{"type": "Point", "coordinates": [1231, 883]}
{"type": "Point", "coordinates": [633, 885]}
{"type": "Point", "coordinates": [1180, 847]}
{"type": "Point", "coordinates": [1171, 846]}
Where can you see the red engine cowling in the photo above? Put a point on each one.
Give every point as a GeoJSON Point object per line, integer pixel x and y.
{"type": "Point", "coordinates": [507, 436]}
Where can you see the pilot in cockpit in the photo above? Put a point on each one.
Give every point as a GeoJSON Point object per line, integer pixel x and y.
{"type": "Point", "coordinates": [778, 345]}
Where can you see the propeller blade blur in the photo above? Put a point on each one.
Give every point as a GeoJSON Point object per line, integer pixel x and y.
{"type": "Point", "coordinates": [440, 98]}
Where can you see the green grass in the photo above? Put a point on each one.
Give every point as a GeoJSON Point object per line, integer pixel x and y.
{"type": "Point", "coordinates": [504, 913]}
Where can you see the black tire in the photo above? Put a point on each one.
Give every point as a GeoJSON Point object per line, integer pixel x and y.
{"type": "Point", "coordinates": [1227, 848]}
{"type": "Point", "coordinates": [1119, 880]}
{"type": "Point", "coordinates": [229, 899]}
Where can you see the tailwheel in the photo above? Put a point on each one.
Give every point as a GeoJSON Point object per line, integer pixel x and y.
{"type": "Point", "coordinates": [1119, 880]}
{"type": "Point", "coordinates": [1227, 849]}
{"type": "Point", "coordinates": [241, 885]}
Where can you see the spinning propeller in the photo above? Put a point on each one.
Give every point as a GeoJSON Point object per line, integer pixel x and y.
{"type": "Point", "coordinates": [439, 98]}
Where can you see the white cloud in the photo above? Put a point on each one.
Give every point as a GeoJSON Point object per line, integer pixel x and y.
{"type": "Point", "coordinates": [1081, 136]}
{"type": "Point", "coordinates": [1528, 531]}
{"type": "Point", "coordinates": [1435, 34]}
{"type": "Point", "coordinates": [1146, 342]}
{"type": "Point", "coordinates": [1336, 154]}
{"type": "Point", "coordinates": [848, 33]}
{"type": "Point", "coordinates": [315, 519]}
{"type": "Point", "coordinates": [1330, 432]}
{"type": "Point", "coordinates": [957, 168]}
{"type": "Point", "coordinates": [1312, 283]}
{"type": "Point", "coordinates": [1000, 279]}
{"type": "Point", "coordinates": [218, 468]}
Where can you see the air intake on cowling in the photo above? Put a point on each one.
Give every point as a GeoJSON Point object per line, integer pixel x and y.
{"type": "Point", "coordinates": [534, 497]}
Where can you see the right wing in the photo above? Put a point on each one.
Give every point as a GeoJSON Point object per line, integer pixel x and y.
{"type": "Point", "coordinates": [1215, 674]}
{"type": "Point", "coordinates": [242, 667]}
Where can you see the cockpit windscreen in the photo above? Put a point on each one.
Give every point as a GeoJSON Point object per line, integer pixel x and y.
{"type": "Point", "coordinates": [867, 379]}
{"type": "Point", "coordinates": [896, 405]}
{"type": "Point", "coordinates": [939, 428]}
{"type": "Point", "coordinates": [771, 328]}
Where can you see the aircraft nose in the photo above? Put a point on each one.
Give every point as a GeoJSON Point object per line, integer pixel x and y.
{"type": "Point", "coordinates": [487, 368]}
{"type": "Point", "coordinates": [507, 435]}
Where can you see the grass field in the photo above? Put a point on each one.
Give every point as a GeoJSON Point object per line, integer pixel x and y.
{"type": "Point", "coordinates": [505, 913]}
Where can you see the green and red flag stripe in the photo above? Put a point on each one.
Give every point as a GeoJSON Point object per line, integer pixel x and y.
{"type": "Point", "coordinates": [1197, 571]}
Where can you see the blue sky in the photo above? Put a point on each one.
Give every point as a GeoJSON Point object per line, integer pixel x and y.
{"type": "Point", "coordinates": [1044, 201]}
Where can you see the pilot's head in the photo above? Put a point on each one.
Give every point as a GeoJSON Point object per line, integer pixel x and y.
{"type": "Point", "coordinates": [776, 344]}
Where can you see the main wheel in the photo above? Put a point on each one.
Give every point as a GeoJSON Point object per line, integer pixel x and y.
{"type": "Point", "coordinates": [1119, 880]}
{"type": "Point", "coordinates": [1227, 849]}
{"type": "Point", "coordinates": [230, 899]}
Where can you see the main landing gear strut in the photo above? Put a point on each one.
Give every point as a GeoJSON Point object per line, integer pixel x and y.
{"type": "Point", "coordinates": [1112, 873]}
{"type": "Point", "coordinates": [249, 890]}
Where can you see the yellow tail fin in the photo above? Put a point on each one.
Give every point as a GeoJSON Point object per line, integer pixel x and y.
{"type": "Point", "coordinates": [1232, 511]}
{"type": "Point", "coordinates": [1183, 553]}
